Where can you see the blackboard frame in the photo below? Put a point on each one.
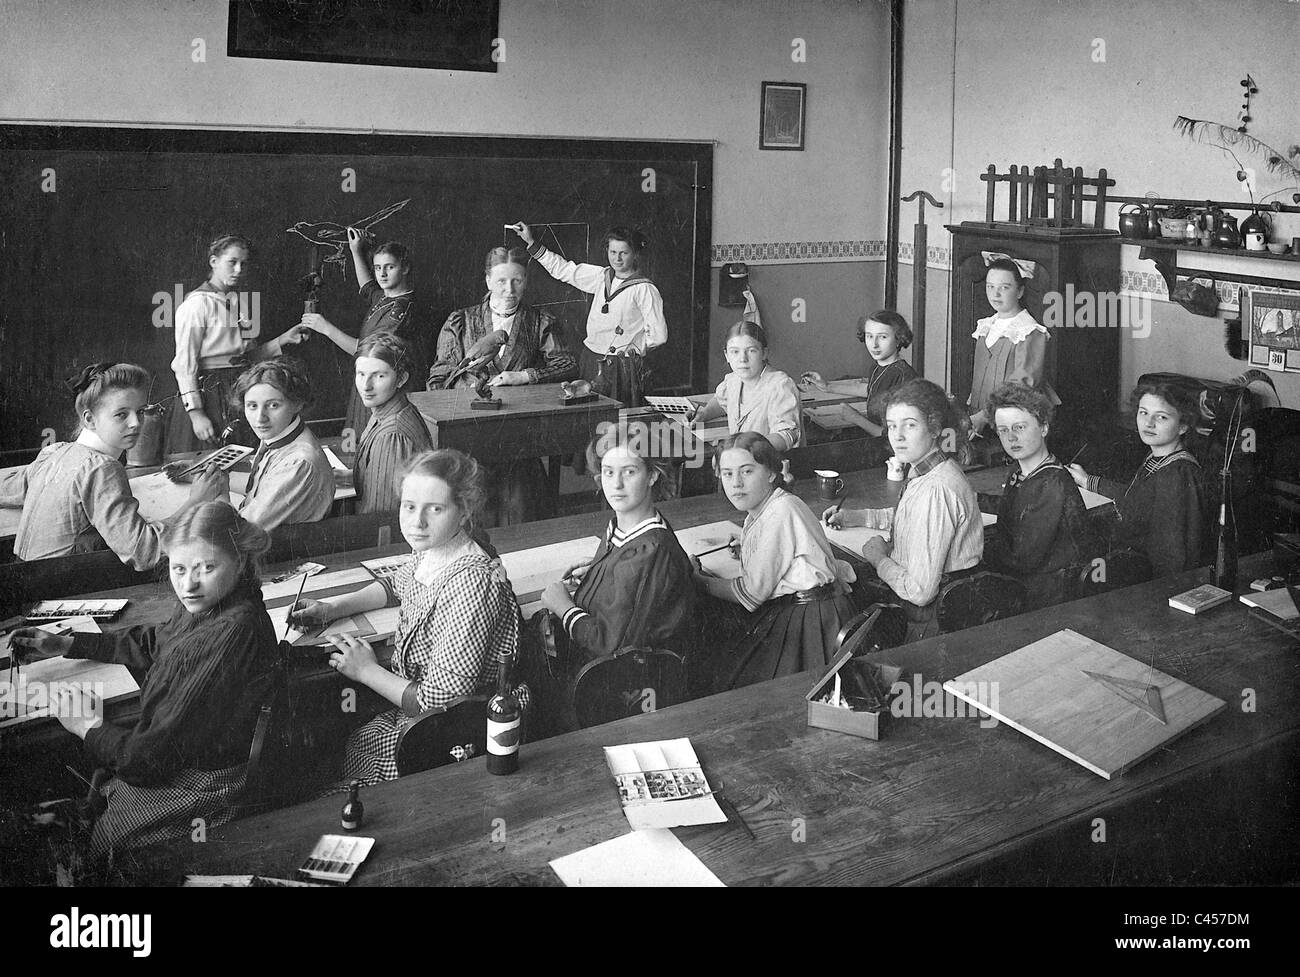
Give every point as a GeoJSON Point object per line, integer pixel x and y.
{"type": "Point", "coordinates": [215, 141]}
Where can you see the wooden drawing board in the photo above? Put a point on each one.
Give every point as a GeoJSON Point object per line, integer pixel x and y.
{"type": "Point", "coordinates": [1088, 702]}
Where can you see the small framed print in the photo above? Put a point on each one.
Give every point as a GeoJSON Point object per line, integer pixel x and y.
{"type": "Point", "coordinates": [1271, 323]}
{"type": "Point", "coordinates": [784, 110]}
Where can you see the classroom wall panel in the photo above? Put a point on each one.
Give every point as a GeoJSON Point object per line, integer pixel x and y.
{"type": "Point", "coordinates": [1098, 83]}
{"type": "Point", "coordinates": [832, 295]}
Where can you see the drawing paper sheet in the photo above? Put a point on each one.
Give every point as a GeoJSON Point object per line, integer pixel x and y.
{"type": "Point", "coordinates": [531, 570]}
{"type": "Point", "coordinates": [698, 539]}
{"type": "Point", "coordinates": [661, 784]}
{"type": "Point", "coordinates": [159, 496]}
{"type": "Point", "coordinates": [279, 598]}
{"type": "Point", "coordinates": [1276, 602]}
{"type": "Point", "coordinates": [1106, 724]}
{"type": "Point", "coordinates": [1092, 500]}
{"type": "Point", "coordinates": [832, 417]}
{"type": "Point", "coordinates": [36, 677]}
{"type": "Point", "coordinates": [654, 857]}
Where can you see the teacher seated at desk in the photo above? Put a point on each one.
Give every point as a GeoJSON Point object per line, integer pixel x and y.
{"type": "Point", "coordinates": [533, 353]}
{"type": "Point", "coordinates": [75, 496]}
{"type": "Point", "coordinates": [458, 612]}
{"type": "Point", "coordinates": [937, 532]}
{"type": "Point", "coordinates": [206, 669]}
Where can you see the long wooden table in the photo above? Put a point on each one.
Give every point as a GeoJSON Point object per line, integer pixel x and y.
{"type": "Point", "coordinates": [939, 799]}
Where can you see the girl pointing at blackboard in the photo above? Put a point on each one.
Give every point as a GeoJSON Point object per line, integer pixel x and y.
{"type": "Point", "coordinates": [627, 312]}
{"type": "Point", "coordinates": [213, 345]}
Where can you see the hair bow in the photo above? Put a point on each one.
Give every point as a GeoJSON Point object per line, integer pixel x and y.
{"type": "Point", "coordinates": [87, 376]}
{"type": "Point", "coordinates": [1027, 267]}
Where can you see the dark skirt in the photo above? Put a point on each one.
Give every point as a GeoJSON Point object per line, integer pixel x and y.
{"type": "Point", "coordinates": [621, 378]}
{"type": "Point", "coordinates": [783, 637]}
{"type": "Point", "coordinates": [216, 386]}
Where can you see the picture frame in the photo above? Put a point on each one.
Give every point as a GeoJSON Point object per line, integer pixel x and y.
{"type": "Point", "coordinates": [444, 34]}
{"type": "Point", "coordinates": [782, 115]}
{"type": "Point", "coordinates": [1270, 323]}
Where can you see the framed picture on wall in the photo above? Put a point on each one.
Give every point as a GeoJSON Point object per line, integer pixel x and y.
{"type": "Point", "coordinates": [461, 35]}
{"type": "Point", "coordinates": [1271, 322]}
{"type": "Point", "coordinates": [781, 123]}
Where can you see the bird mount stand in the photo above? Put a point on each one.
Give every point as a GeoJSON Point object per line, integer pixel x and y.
{"type": "Point", "coordinates": [919, 251]}
{"type": "Point", "coordinates": [483, 399]}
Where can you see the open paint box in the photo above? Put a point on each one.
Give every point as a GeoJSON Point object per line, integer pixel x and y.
{"type": "Point", "coordinates": [863, 690]}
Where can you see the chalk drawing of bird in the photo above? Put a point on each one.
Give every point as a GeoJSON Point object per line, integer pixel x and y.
{"type": "Point", "coordinates": [327, 234]}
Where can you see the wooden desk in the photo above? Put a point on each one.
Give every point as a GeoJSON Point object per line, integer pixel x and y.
{"type": "Point", "coordinates": [940, 799]}
{"type": "Point", "coordinates": [531, 423]}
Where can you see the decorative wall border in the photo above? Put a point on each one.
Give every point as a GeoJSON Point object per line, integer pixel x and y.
{"type": "Point", "coordinates": [792, 252]}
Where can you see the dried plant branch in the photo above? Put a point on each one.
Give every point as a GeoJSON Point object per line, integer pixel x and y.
{"type": "Point", "coordinates": [1221, 135]}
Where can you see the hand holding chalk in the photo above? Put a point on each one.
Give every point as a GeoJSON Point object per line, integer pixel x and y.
{"type": "Point", "coordinates": [523, 230]}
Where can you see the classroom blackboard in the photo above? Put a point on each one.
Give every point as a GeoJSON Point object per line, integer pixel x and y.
{"type": "Point", "coordinates": [98, 223]}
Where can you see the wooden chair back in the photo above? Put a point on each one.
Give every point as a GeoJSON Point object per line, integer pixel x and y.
{"type": "Point", "coordinates": [627, 683]}
{"type": "Point", "coordinates": [446, 734]}
{"type": "Point", "coordinates": [978, 599]}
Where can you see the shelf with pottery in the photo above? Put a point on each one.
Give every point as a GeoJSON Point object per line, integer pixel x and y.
{"type": "Point", "coordinates": [1165, 258]}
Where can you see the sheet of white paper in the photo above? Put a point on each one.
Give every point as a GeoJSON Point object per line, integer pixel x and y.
{"type": "Point", "coordinates": [358, 576]}
{"type": "Point", "coordinates": [643, 858]}
{"type": "Point", "coordinates": [531, 570]}
{"type": "Point", "coordinates": [29, 696]}
{"type": "Point", "coordinates": [699, 539]}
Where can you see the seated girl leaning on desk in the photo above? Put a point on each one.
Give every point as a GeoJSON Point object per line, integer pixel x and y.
{"type": "Point", "coordinates": [396, 431]}
{"type": "Point", "coordinates": [885, 334]}
{"type": "Point", "coordinates": [936, 528]}
{"type": "Point", "coordinates": [292, 480]}
{"type": "Point", "coordinates": [75, 496]}
{"type": "Point", "coordinates": [207, 671]}
{"type": "Point", "coordinates": [1042, 523]}
{"type": "Point", "coordinates": [637, 589]}
{"type": "Point", "coordinates": [458, 612]}
{"type": "Point", "coordinates": [754, 396]}
{"type": "Point", "coordinates": [794, 592]}
{"type": "Point", "coordinates": [1161, 511]}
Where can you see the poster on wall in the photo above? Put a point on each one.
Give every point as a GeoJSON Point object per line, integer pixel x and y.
{"type": "Point", "coordinates": [1271, 322]}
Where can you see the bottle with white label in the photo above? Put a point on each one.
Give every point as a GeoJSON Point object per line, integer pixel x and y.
{"type": "Point", "coordinates": [503, 722]}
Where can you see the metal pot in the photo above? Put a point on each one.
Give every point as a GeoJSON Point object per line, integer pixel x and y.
{"type": "Point", "coordinates": [1136, 223]}
{"type": "Point", "coordinates": [1225, 233]}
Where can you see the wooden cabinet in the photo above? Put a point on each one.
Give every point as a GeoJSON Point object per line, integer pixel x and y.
{"type": "Point", "coordinates": [1074, 293]}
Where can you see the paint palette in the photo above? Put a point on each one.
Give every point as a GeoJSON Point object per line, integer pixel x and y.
{"type": "Point", "coordinates": [224, 458]}
{"type": "Point", "coordinates": [54, 610]}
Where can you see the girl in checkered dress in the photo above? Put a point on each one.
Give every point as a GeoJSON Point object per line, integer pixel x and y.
{"type": "Point", "coordinates": [207, 670]}
{"type": "Point", "coordinates": [457, 612]}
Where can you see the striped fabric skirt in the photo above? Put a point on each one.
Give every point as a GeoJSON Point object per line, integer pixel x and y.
{"type": "Point", "coordinates": [190, 801]}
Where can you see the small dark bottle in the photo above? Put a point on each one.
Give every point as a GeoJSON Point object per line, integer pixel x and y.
{"type": "Point", "coordinates": [503, 722]}
{"type": "Point", "coordinates": [353, 811]}
{"type": "Point", "coordinates": [1225, 558]}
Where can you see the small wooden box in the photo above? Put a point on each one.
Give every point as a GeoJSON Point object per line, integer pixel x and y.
{"type": "Point", "coordinates": [871, 724]}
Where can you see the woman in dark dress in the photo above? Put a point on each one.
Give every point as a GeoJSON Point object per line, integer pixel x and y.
{"type": "Point", "coordinates": [207, 671]}
{"type": "Point", "coordinates": [1042, 523]}
{"type": "Point", "coordinates": [1161, 511]}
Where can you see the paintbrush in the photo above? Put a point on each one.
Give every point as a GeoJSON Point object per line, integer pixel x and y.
{"type": "Point", "coordinates": [717, 549]}
{"type": "Point", "coordinates": [839, 503]}
{"type": "Point", "coordinates": [288, 626]}
{"type": "Point", "coordinates": [1081, 450]}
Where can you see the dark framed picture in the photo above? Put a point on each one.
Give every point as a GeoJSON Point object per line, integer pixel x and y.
{"type": "Point", "coordinates": [781, 123]}
{"type": "Point", "coordinates": [461, 35]}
